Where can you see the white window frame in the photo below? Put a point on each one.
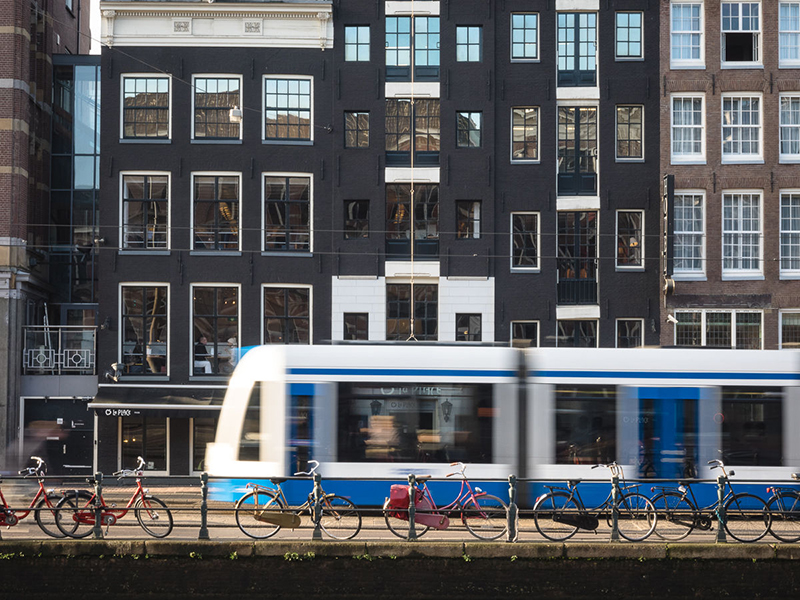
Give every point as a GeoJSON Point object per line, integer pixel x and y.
{"type": "Point", "coordinates": [204, 140]}
{"type": "Point", "coordinates": [538, 266]}
{"type": "Point", "coordinates": [166, 286]}
{"type": "Point", "coordinates": [785, 34]}
{"type": "Point", "coordinates": [468, 44]}
{"type": "Point", "coordinates": [538, 158]}
{"type": "Point", "coordinates": [703, 325]}
{"type": "Point", "coordinates": [536, 58]}
{"type": "Point", "coordinates": [310, 289]}
{"type": "Point", "coordinates": [288, 141]}
{"type": "Point", "coordinates": [263, 243]}
{"type": "Point", "coordinates": [741, 157]}
{"type": "Point", "coordinates": [143, 140]}
{"type": "Point", "coordinates": [197, 285]}
{"type": "Point", "coordinates": [146, 250]}
{"type": "Point", "coordinates": [692, 274]}
{"type": "Point", "coordinates": [358, 43]}
{"type": "Point", "coordinates": [758, 49]}
{"type": "Point", "coordinates": [786, 128]}
{"type": "Point", "coordinates": [619, 158]}
{"type": "Point", "coordinates": [696, 158]}
{"type": "Point", "coordinates": [639, 267]}
{"type": "Point", "coordinates": [616, 331]}
{"type": "Point", "coordinates": [780, 328]}
{"type": "Point", "coordinates": [624, 58]}
{"type": "Point", "coordinates": [730, 273]}
{"type": "Point", "coordinates": [538, 331]}
{"type": "Point", "coordinates": [789, 273]}
{"type": "Point", "coordinates": [690, 63]}
{"type": "Point", "coordinates": [194, 174]}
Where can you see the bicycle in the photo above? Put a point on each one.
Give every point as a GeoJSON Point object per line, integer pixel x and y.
{"type": "Point", "coordinates": [264, 510]}
{"type": "Point", "coordinates": [482, 514]}
{"type": "Point", "coordinates": [560, 513]}
{"type": "Point", "coordinates": [43, 504]}
{"type": "Point", "coordinates": [784, 505]}
{"type": "Point", "coordinates": [679, 513]}
{"type": "Point", "coordinates": [77, 509]}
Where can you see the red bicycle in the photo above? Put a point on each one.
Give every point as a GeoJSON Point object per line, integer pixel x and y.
{"type": "Point", "coordinates": [43, 505]}
{"type": "Point", "coordinates": [77, 509]}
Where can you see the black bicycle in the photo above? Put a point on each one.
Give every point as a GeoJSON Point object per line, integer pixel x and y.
{"type": "Point", "coordinates": [784, 506]}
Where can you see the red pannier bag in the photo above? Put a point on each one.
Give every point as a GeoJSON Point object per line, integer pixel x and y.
{"type": "Point", "coordinates": [397, 505]}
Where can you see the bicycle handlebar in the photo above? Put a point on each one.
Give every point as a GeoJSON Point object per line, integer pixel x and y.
{"type": "Point", "coordinates": [311, 470]}
{"type": "Point", "coordinates": [40, 469]}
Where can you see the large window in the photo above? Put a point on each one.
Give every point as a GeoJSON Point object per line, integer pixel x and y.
{"type": "Point", "coordinates": [741, 129]}
{"type": "Point", "coordinates": [216, 212]}
{"type": "Point", "coordinates": [689, 234]}
{"type": "Point", "coordinates": [576, 334]}
{"type": "Point", "coordinates": [630, 239]}
{"type": "Point", "coordinates": [525, 134]}
{"type": "Point", "coordinates": [586, 419]}
{"type": "Point", "coordinates": [287, 109]}
{"type": "Point", "coordinates": [356, 43]}
{"type": "Point", "coordinates": [577, 258]}
{"type": "Point", "coordinates": [356, 219]}
{"type": "Point", "coordinates": [215, 329]}
{"type": "Point", "coordinates": [629, 36]}
{"type": "Point", "coordinates": [630, 333]}
{"type": "Point", "coordinates": [577, 151]}
{"type": "Point", "coordinates": [688, 129]}
{"type": "Point", "coordinates": [790, 234]}
{"type": "Point", "coordinates": [468, 129]}
{"type": "Point", "coordinates": [790, 329]}
{"type": "Point", "coordinates": [417, 121]}
{"type": "Point", "coordinates": [399, 224]}
{"type": "Point", "coordinates": [789, 34]}
{"type": "Point", "coordinates": [790, 128]}
{"type": "Point", "coordinates": [287, 213]}
{"type": "Point", "coordinates": [405, 51]}
{"type": "Point", "coordinates": [144, 329]}
{"type": "Point", "coordinates": [524, 36]}
{"type": "Point", "coordinates": [356, 129]}
{"type": "Point", "coordinates": [741, 235]}
{"type": "Point", "coordinates": [415, 422]}
{"type": "Point", "coordinates": [752, 427]}
{"type": "Point", "coordinates": [214, 97]}
{"type": "Point", "coordinates": [686, 35]}
{"type": "Point", "coordinates": [287, 315]}
{"type": "Point", "coordinates": [524, 334]}
{"type": "Point", "coordinates": [468, 219]}
{"type": "Point", "coordinates": [145, 107]}
{"type": "Point", "coordinates": [468, 43]}
{"type": "Point", "coordinates": [145, 212]}
{"type": "Point", "coordinates": [412, 312]}
{"type": "Point", "coordinates": [144, 436]}
{"type": "Point", "coordinates": [468, 327]}
{"type": "Point", "coordinates": [741, 29]}
{"type": "Point", "coordinates": [525, 241]}
{"type": "Point", "coordinates": [630, 132]}
{"type": "Point", "coordinates": [577, 49]}
{"type": "Point", "coordinates": [719, 329]}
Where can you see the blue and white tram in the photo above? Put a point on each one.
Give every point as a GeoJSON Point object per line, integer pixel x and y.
{"type": "Point", "coordinates": [377, 411]}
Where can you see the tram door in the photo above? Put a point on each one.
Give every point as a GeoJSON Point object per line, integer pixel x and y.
{"type": "Point", "coordinates": [301, 425]}
{"type": "Point", "coordinates": [668, 432]}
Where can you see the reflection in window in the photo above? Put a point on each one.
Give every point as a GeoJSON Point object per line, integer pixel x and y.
{"type": "Point", "coordinates": [287, 315]}
{"type": "Point", "coordinates": [752, 427]}
{"type": "Point", "coordinates": [356, 326]}
{"type": "Point", "coordinates": [287, 106]}
{"type": "Point", "coordinates": [356, 219]}
{"type": "Point", "coordinates": [585, 425]}
{"type": "Point", "coordinates": [214, 97]}
{"type": "Point", "coordinates": [629, 238]}
{"type": "Point", "coordinates": [145, 107]}
{"type": "Point", "coordinates": [468, 125]}
{"type": "Point", "coordinates": [144, 330]}
{"type": "Point", "coordinates": [287, 213]}
{"type": "Point", "coordinates": [524, 334]}
{"type": "Point", "coordinates": [216, 212]}
{"type": "Point", "coordinates": [468, 219]}
{"type": "Point", "coordinates": [356, 130]}
{"type": "Point", "coordinates": [468, 327]}
{"type": "Point", "coordinates": [203, 431]}
{"type": "Point", "coordinates": [215, 319]}
{"type": "Point", "coordinates": [146, 437]}
{"type": "Point", "coordinates": [415, 423]}
{"type": "Point", "coordinates": [629, 333]}
{"type": "Point", "coordinates": [145, 211]}
{"type": "Point", "coordinates": [399, 312]}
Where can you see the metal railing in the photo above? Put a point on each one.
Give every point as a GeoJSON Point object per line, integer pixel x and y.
{"type": "Point", "coordinates": [59, 350]}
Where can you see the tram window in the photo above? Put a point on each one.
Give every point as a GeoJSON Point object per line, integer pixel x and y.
{"type": "Point", "coordinates": [249, 444]}
{"type": "Point", "coordinates": [752, 432]}
{"type": "Point", "coordinates": [415, 422]}
{"type": "Point", "coordinates": [585, 425]}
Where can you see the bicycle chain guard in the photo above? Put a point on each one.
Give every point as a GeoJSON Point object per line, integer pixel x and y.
{"type": "Point", "coordinates": [282, 519]}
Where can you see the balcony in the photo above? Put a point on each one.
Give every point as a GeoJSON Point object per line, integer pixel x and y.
{"type": "Point", "coordinates": [60, 350]}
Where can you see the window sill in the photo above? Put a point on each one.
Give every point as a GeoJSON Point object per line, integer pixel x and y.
{"type": "Point", "coordinates": [789, 159]}
{"type": "Point", "coordinates": [532, 161]}
{"type": "Point", "coordinates": [789, 65]}
{"type": "Point", "coordinates": [526, 269]}
{"type": "Point", "coordinates": [630, 160]}
{"type": "Point", "coordinates": [209, 377]}
{"type": "Point", "coordinates": [523, 61]}
{"type": "Point", "coordinates": [724, 65]}
{"type": "Point", "coordinates": [629, 58]}
{"type": "Point", "coordinates": [687, 161]}
{"type": "Point", "coordinates": [288, 142]}
{"type": "Point", "coordinates": [215, 253]}
{"type": "Point", "coordinates": [743, 160]}
{"type": "Point", "coordinates": [688, 66]}
{"type": "Point", "coordinates": [291, 253]}
{"type": "Point", "coordinates": [733, 276]}
{"type": "Point", "coordinates": [632, 269]}
{"type": "Point", "coordinates": [789, 276]}
{"type": "Point", "coordinates": [689, 277]}
{"type": "Point", "coordinates": [219, 141]}
{"type": "Point", "coordinates": [137, 252]}
{"type": "Point", "coordinates": [145, 141]}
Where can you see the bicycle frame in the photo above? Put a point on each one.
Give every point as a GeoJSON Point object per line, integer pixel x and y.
{"type": "Point", "coordinates": [110, 514]}
{"type": "Point", "coordinates": [10, 517]}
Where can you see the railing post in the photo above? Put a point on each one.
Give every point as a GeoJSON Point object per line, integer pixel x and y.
{"type": "Point", "coordinates": [721, 516]}
{"type": "Point", "coordinates": [203, 534]}
{"type": "Point", "coordinates": [97, 530]}
{"type": "Point", "coordinates": [512, 513]}
{"type": "Point", "coordinates": [412, 509]}
{"type": "Point", "coordinates": [615, 495]}
{"type": "Point", "coordinates": [317, 534]}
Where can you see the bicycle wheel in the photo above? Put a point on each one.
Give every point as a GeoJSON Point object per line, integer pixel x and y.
{"type": "Point", "coordinates": [154, 516]}
{"type": "Point", "coordinates": [255, 506]}
{"type": "Point", "coordinates": [785, 510]}
{"type": "Point", "coordinates": [399, 527]}
{"type": "Point", "coordinates": [676, 517]}
{"type": "Point", "coordinates": [46, 516]}
{"type": "Point", "coordinates": [340, 518]}
{"type": "Point", "coordinates": [485, 517]}
{"type": "Point", "coordinates": [555, 514]}
{"type": "Point", "coordinates": [75, 514]}
{"type": "Point", "coordinates": [747, 517]}
{"type": "Point", "coordinates": [637, 517]}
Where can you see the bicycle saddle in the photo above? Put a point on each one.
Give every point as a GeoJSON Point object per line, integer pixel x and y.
{"type": "Point", "coordinates": [278, 480]}
{"type": "Point", "coordinates": [573, 482]}
{"type": "Point", "coordinates": [423, 478]}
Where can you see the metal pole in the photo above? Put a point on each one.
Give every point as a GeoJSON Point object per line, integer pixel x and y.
{"type": "Point", "coordinates": [317, 534]}
{"type": "Point", "coordinates": [203, 535]}
{"type": "Point", "coordinates": [97, 530]}
{"type": "Point", "coordinates": [721, 516]}
{"type": "Point", "coordinates": [513, 513]}
{"type": "Point", "coordinates": [615, 508]}
{"type": "Point", "coordinates": [412, 510]}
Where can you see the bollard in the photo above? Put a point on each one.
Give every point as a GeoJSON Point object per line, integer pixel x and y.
{"type": "Point", "coordinates": [513, 512]}
{"type": "Point", "coordinates": [721, 516]}
{"type": "Point", "coordinates": [615, 495]}
{"type": "Point", "coordinates": [412, 510]}
{"type": "Point", "coordinates": [203, 535]}
{"type": "Point", "coordinates": [97, 530]}
{"type": "Point", "coordinates": [317, 534]}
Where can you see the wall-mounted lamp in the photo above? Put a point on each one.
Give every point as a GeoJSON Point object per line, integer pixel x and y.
{"type": "Point", "coordinates": [235, 115]}
{"type": "Point", "coordinates": [114, 374]}
{"type": "Point", "coordinates": [672, 319]}
{"type": "Point", "coordinates": [99, 241]}
{"type": "Point", "coordinates": [447, 406]}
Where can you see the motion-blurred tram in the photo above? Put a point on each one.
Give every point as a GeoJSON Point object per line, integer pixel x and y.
{"type": "Point", "coordinates": [371, 412]}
